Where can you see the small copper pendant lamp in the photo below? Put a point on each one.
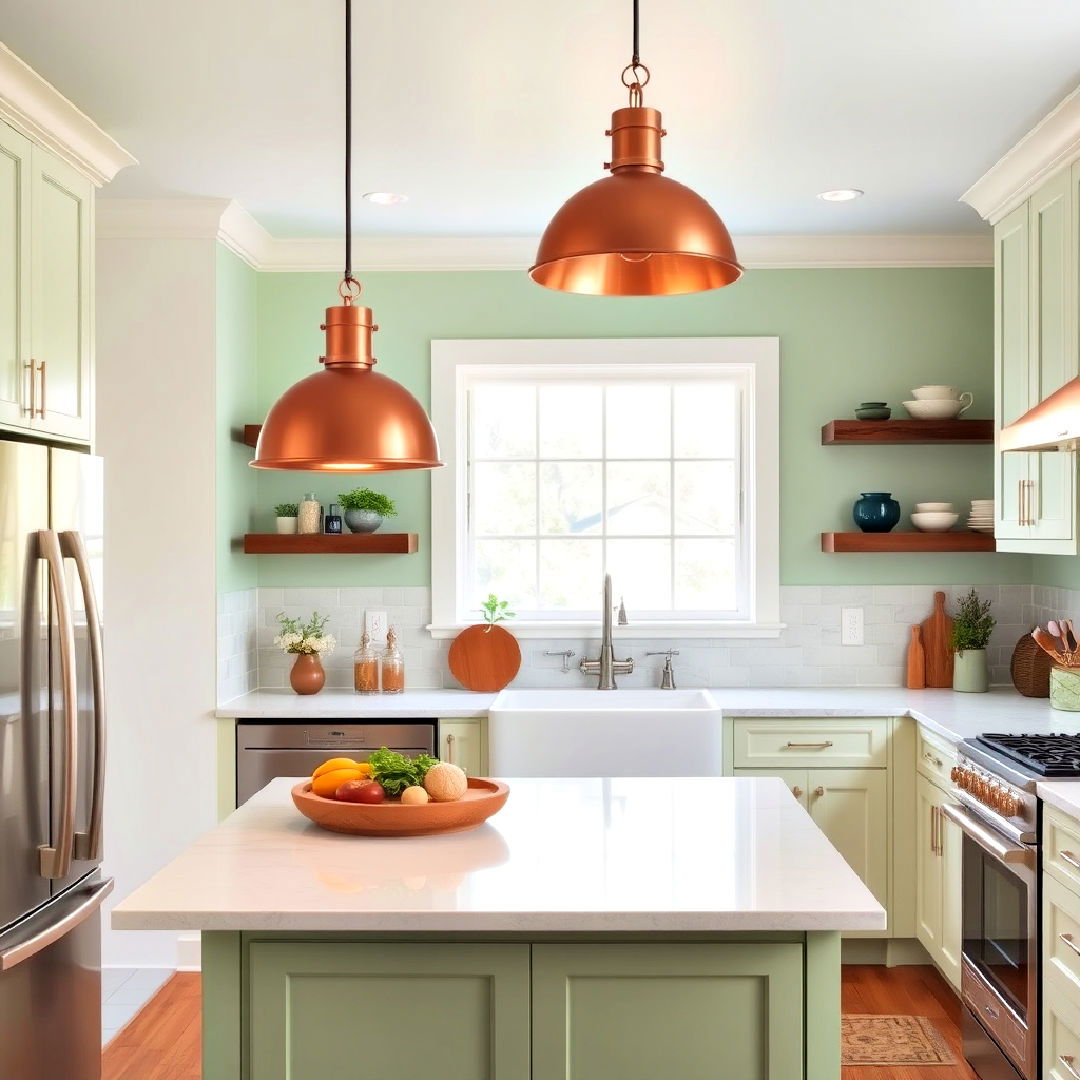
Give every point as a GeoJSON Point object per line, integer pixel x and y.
{"type": "Point", "coordinates": [347, 418]}
{"type": "Point", "coordinates": [636, 232]}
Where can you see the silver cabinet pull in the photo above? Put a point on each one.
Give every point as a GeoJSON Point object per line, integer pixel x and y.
{"type": "Point", "coordinates": [1029, 505]}
{"type": "Point", "coordinates": [34, 944]}
{"type": "Point", "coordinates": [450, 749]}
{"type": "Point", "coordinates": [1067, 1060]}
{"type": "Point", "coordinates": [30, 369]}
{"type": "Point", "coordinates": [1068, 940]}
{"type": "Point", "coordinates": [1020, 503]}
{"type": "Point", "coordinates": [933, 829]}
{"type": "Point", "coordinates": [41, 404]}
{"type": "Point", "coordinates": [55, 862]}
{"type": "Point", "coordinates": [819, 791]}
{"type": "Point", "coordinates": [810, 745]}
{"type": "Point", "coordinates": [88, 844]}
{"type": "Point", "coordinates": [935, 761]}
{"type": "Point", "coordinates": [1070, 858]}
{"type": "Point", "coordinates": [797, 791]}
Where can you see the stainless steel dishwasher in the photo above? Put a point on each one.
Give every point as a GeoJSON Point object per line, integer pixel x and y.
{"type": "Point", "coordinates": [269, 748]}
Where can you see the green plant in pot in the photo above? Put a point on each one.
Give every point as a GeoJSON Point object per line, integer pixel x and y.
{"type": "Point", "coordinates": [365, 509]}
{"type": "Point", "coordinates": [971, 632]}
{"type": "Point", "coordinates": [285, 514]}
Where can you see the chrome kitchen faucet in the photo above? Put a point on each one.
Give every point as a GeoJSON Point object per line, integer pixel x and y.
{"type": "Point", "coordinates": [607, 667]}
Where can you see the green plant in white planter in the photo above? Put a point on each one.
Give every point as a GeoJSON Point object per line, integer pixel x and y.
{"type": "Point", "coordinates": [971, 631]}
{"type": "Point", "coordinates": [286, 518]}
{"type": "Point", "coordinates": [365, 509]}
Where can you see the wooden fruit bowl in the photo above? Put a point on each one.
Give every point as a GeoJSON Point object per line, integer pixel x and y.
{"type": "Point", "coordinates": [482, 799]}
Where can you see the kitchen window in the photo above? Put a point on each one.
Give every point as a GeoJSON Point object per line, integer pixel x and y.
{"type": "Point", "coordinates": [654, 460]}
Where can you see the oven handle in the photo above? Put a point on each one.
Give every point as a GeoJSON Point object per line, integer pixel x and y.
{"type": "Point", "coordinates": [987, 838]}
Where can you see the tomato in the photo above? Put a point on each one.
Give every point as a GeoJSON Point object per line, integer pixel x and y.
{"type": "Point", "coordinates": [360, 791]}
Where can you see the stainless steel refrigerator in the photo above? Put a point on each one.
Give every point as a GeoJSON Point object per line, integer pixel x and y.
{"type": "Point", "coordinates": [52, 758]}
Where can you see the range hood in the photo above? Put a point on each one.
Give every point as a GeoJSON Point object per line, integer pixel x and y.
{"type": "Point", "coordinates": [1054, 424]}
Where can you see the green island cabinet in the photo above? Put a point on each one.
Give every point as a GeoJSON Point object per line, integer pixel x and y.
{"type": "Point", "coordinates": [46, 297]}
{"type": "Point", "coordinates": [1061, 946]}
{"type": "Point", "coordinates": [939, 847]}
{"type": "Point", "coordinates": [289, 1006]}
{"type": "Point", "coordinates": [854, 777]}
{"type": "Point", "coordinates": [1036, 301]}
{"type": "Point", "coordinates": [463, 742]}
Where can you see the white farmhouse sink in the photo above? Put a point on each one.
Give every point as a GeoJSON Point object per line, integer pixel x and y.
{"type": "Point", "coordinates": [605, 733]}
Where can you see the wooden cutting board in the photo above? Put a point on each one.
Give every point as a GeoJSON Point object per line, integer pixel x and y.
{"type": "Point", "coordinates": [916, 661]}
{"type": "Point", "coordinates": [936, 632]}
{"type": "Point", "coordinates": [484, 657]}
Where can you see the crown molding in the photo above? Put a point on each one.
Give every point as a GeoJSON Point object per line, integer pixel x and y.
{"type": "Point", "coordinates": [1053, 143]}
{"type": "Point", "coordinates": [236, 229]}
{"type": "Point", "coordinates": [38, 110]}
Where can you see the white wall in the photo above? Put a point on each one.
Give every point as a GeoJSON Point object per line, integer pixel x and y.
{"type": "Point", "coordinates": [155, 429]}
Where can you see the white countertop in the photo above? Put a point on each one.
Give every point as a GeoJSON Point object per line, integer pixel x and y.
{"type": "Point", "coordinates": [953, 716]}
{"type": "Point", "coordinates": [622, 855]}
{"type": "Point", "coordinates": [1064, 795]}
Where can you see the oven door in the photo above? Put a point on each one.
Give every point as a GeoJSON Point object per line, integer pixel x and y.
{"type": "Point", "coordinates": [1000, 951]}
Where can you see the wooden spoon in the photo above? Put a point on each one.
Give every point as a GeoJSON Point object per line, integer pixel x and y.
{"type": "Point", "coordinates": [1049, 644]}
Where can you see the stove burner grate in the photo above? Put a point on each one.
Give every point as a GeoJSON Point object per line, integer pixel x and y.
{"type": "Point", "coordinates": [1048, 755]}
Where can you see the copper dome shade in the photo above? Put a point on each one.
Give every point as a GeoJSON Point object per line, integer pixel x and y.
{"type": "Point", "coordinates": [636, 232]}
{"type": "Point", "coordinates": [347, 418]}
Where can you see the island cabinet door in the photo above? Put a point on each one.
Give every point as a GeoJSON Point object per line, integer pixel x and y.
{"type": "Point", "coordinates": [321, 1009]}
{"type": "Point", "coordinates": [616, 1012]}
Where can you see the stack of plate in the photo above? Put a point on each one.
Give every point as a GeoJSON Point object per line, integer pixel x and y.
{"type": "Point", "coordinates": [981, 518]}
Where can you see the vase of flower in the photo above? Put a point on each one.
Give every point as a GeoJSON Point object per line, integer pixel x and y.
{"type": "Point", "coordinates": [308, 641]}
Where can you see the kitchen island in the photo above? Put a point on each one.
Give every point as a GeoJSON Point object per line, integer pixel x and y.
{"type": "Point", "coordinates": [593, 928]}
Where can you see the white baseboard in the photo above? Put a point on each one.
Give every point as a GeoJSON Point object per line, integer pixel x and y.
{"type": "Point", "coordinates": [189, 952]}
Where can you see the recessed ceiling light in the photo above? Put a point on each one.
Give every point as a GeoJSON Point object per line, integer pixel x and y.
{"type": "Point", "coordinates": [845, 194]}
{"type": "Point", "coordinates": [385, 198]}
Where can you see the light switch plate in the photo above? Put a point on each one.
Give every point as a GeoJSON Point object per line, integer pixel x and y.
{"type": "Point", "coordinates": [851, 626]}
{"type": "Point", "coordinates": [375, 624]}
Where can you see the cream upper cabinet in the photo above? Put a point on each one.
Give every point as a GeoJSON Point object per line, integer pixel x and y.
{"type": "Point", "coordinates": [15, 184]}
{"type": "Point", "coordinates": [1035, 353]}
{"type": "Point", "coordinates": [46, 298]}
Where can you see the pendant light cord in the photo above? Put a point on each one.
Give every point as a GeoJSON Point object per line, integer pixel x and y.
{"type": "Point", "coordinates": [637, 35]}
{"type": "Point", "coordinates": [348, 280]}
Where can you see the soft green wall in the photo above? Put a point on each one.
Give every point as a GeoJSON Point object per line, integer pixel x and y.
{"type": "Point", "coordinates": [237, 381]}
{"type": "Point", "coordinates": [845, 335]}
{"type": "Point", "coordinates": [1062, 571]}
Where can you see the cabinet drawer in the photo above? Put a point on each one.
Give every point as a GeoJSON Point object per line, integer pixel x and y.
{"type": "Point", "coordinates": [1061, 848]}
{"type": "Point", "coordinates": [936, 758]}
{"type": "Point", "coordinates": [855, 743]}
{"type": "Point", "coordinates": [1061, 1030]}
{"type": "Point", "coordinates": [1061, 931]}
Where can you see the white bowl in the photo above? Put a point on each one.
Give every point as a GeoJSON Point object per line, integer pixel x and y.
{"type": "Point", "coordinates": [932, 508]}
{"type": "Point", "coordinates": [938, 409]}
{"type": "Point", "coordinates": [934, 522]}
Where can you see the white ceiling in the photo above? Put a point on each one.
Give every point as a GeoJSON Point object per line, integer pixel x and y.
{"type": "Point", "coordinates": [489, 113]}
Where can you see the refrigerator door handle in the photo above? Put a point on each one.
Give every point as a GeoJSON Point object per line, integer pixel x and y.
{"type": "Point", "coordinates": [31, 944]}
{"type": "Point", "coordinates": [55, 862]}
{"type": "Point", "coordinates": [88, 844]}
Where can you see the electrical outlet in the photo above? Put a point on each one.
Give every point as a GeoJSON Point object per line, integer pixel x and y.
{"type": "Point", "coordinates": [851, 626]}
{"type": "Point", "coordinates": [375, 624]}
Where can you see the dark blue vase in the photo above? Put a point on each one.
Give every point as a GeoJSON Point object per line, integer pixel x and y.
{"type": "Point", "coordinates": [876, 511]}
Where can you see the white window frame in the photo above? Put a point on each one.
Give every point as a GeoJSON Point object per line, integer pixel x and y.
{"type": "Point", "coordinates": [756, 358]}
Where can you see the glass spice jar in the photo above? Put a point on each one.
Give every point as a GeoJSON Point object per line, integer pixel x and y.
{"type": "Point", "coordinates": [365, 667]}
{"type": "Point", "coordinates": [309, 515]}
{"type": "Point", "coordinates": [393, 665]}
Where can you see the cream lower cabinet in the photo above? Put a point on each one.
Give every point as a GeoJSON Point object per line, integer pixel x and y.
{"type": "Point", "coordinates": [938, 900]}
{"type": "Point", "coordinates": [851, 808]}
{"type": "Point", "coordinates": [1060, 947]}
{"type": "Point", "coordinates": [46, 296]}
{"type": "Point", "coordinates": [464, 743]}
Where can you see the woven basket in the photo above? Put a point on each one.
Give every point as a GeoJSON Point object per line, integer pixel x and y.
{"type": "Point", "coordinates": [1030, 668]}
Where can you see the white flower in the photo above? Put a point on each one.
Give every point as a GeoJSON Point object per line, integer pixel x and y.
{"type": "Point", "coordinates": [325, 644]}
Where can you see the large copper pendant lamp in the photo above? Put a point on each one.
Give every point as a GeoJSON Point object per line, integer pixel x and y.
{"type": "Point", "coordinates": [636, 232]}
{"type": "Point", "coordinates": [347, 418]}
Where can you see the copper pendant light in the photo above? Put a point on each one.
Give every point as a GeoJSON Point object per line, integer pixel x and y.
{"type": "Point", "coordinates": [636, 232]}
{"type": "Point", "coordinates": [347, 418]}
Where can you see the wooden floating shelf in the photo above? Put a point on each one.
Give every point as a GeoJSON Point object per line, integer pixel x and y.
{"type": "Point", "coordinates": [909, 432]}
{"type": "Point", "coordinates": [324, 544]}
{"type": "Point", "coordinates": [251, 434]}
{"type": "Point", "coordinates": [843, 542]}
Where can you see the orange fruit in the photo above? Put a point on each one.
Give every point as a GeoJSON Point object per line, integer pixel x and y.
{"type": "Point", "coordinates": [335, 763]}
{"type": "Point", "coordinates": [326, 784]}
{"type": "Point", "coordinates": [365, 768]}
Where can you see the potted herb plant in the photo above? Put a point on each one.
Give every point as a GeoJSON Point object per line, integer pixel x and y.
{"type": "Point", "coordinates": [365, 509]}
{"type": "Point", "coordinates": [308, 641]}
{"type": "Point", "coordinates": [286, 518]}
{"type": "Point", "coordinates": [971, 631]}
{"type": "Point", "coordinates": [486, 656]}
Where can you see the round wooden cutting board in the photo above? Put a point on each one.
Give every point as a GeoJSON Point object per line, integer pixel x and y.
{"type": "Point", "coordinates": [484, 657]}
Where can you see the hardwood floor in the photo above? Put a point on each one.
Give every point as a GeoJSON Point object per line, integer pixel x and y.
{"type": "Point", "coordinates": [905, 991]}
{"type": "Point", "coordinates": [162, 1042]}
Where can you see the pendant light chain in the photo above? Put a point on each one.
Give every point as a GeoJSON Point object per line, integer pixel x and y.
{"type": "Point", "coordinates": [348, 281]}
{"type": "Point", "coordinates": [637, 37]}
{"type": "Point", "coordinates": [638, 73]}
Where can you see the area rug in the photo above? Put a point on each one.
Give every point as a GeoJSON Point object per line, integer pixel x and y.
{"type": "Point", "coordinates": [892, 1040]}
